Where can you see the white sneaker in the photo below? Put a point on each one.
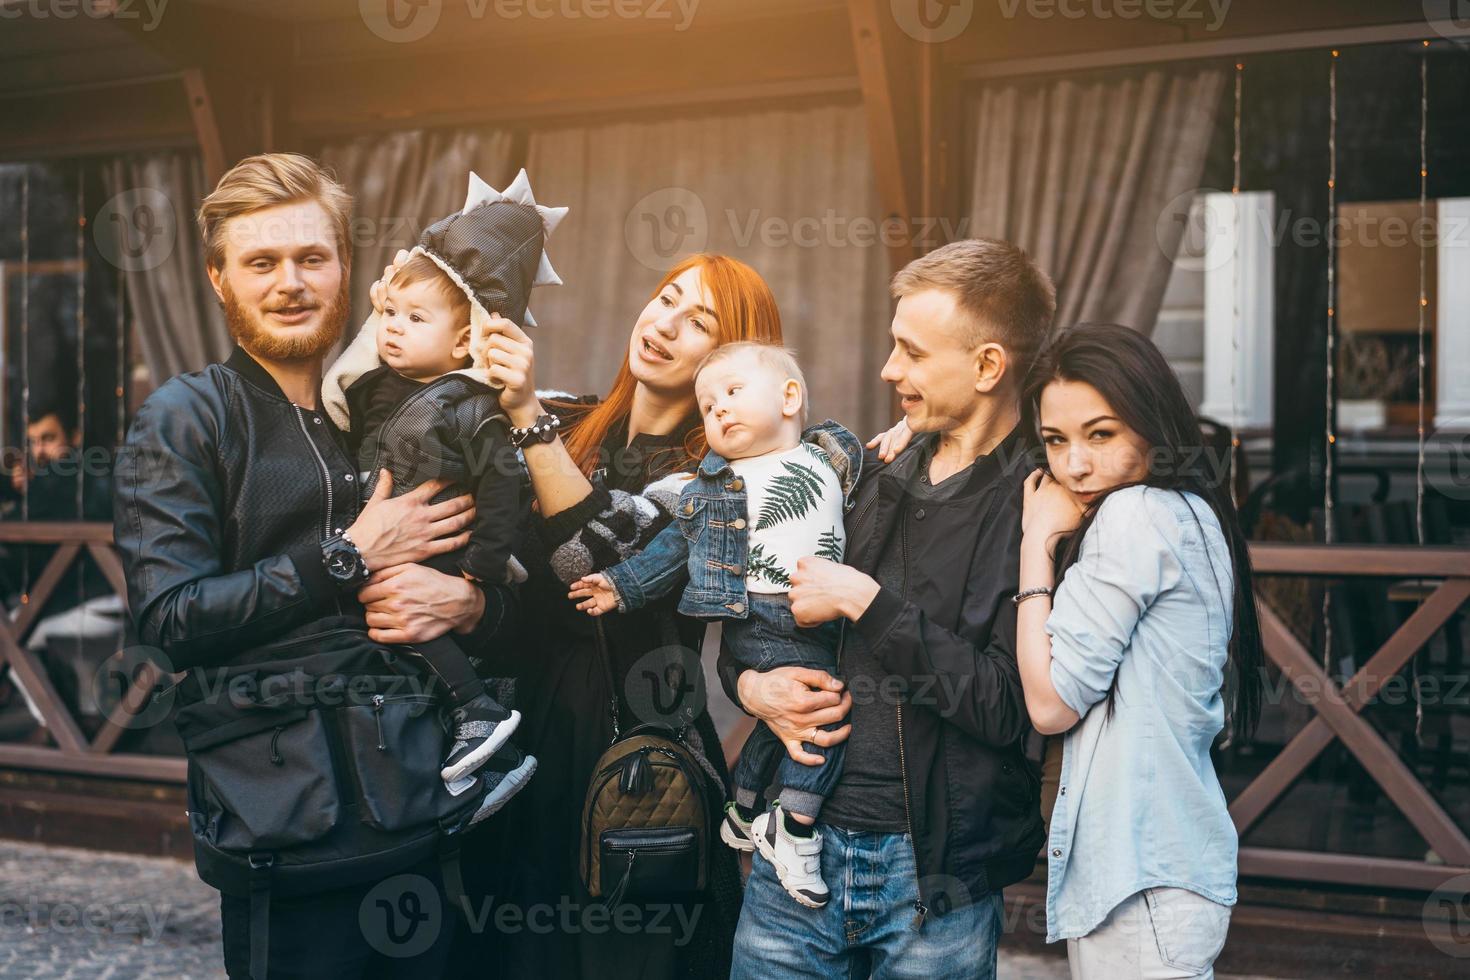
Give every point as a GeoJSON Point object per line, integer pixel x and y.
{"type": "Point", "coordinates": [797, 860]}
{"type": "Point", "coordinates": [735, 831]}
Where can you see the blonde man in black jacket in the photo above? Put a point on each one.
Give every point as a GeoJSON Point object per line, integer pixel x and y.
{"type": "Point", "coordinates": [937, 808]}
{"type": "Point", "coordinates": [238, 520]}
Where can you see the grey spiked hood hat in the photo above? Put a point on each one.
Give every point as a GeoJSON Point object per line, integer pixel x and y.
{"type": "Point", "coordinates": [493, 249]}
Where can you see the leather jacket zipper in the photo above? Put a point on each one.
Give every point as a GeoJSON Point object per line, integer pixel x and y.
{"type": "Point", "coordinates": [920, 909]}
{"type": "Point", "coordinates": [379, 456]}
{"type": "Point", "coordinates": [326, 473]}
{"type": "Point", "coordinates": [856, 524]}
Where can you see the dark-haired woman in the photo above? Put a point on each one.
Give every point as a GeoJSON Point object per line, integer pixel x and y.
{"type": "Point", "coordinates": [1147, 646]}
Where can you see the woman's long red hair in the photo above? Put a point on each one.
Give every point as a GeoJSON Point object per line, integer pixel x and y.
{"type": "Point", "coordinates": [747, 311]}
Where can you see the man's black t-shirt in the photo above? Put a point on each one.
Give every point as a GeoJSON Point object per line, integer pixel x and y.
{"type": "Point", "coordinates": [869, 793]}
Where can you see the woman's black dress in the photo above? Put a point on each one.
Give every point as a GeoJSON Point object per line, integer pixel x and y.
{"type": "Point", "coordinates": [528, 857]}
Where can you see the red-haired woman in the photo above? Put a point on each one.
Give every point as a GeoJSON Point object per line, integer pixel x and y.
{"type": "Point", "coordinates": [599, 499]}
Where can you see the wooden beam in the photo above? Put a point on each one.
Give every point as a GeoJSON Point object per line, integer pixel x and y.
{"type": "Point", "coordinates": [1345, 561]}
{"type": "Point", "coordinates": [1388, 770]}
{"type": "Point", "coordinates": [942, 131]}
{"type": "Point", "coordinates": [134, 700]}
{"type": "Point", "coordinates": [74, 123]}
{"type": "Point", "coordinates": [55, 532]}
{"type": "Point", "coordinates": [1129, 52]}
{"type": "Point", "coordinates": [886, 65]}
{"type": "Point", "coordinates": [111, 567]}
{"type": "Point", "coordinates": [1345, 869]}
{"type": "Point", "coordinates": [804, 54]}
{"type": "Point", "coordinates": [41, 591]}
{"type": "Point", "coordinates": [163, 769]}
{"type": "Point", "coordinates": [1271, 784]}
{"type": "Point", "coordinates": [32, 676]}
{"type": "Point", "coordinates": [236, 69]}
{"type": "Point", "coordinates": [206, 126]}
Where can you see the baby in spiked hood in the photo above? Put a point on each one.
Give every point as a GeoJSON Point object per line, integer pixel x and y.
{"type": "Point", "coordinates": [414, 404]}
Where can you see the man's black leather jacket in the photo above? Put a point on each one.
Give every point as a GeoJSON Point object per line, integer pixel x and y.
{"type": "Point", "coordinates": [225, 491]}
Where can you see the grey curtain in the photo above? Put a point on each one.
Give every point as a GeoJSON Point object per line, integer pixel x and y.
{"type": "Point", "coordinates": [178, 321]}
{"type": "Point", "coordinates": [405, 181]}
{"type": "Point", "coordinates": [789, 192]}
{"type": "Point", "coordinates": [1094, 178]}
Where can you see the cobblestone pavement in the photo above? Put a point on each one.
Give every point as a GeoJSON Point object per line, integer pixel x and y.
{"type": "Point", "coordinates": [70, 913]}
{"type": "Point", "coordinates": [89, 915]}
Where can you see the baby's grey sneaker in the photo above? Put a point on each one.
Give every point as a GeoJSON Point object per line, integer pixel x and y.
{"type": "Point", "coordinates": [735, 829]}
{"type": "Point", "coordinates": [797, 860]}
{"type": "Point", "coordinates": [481, 726]}
{"type": "Point", "coordinates": [505, 776]}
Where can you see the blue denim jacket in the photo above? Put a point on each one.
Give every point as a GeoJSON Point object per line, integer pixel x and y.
{"type": "Point", "coordinates": [1139, 806]}
{"type": "Point", "coordinates": [708, 539]}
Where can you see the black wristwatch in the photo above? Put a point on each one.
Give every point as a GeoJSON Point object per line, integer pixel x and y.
{"type": "Point", "coordinates": [344, 562]}
{"type": "Point", "coordinates": [543, 431]}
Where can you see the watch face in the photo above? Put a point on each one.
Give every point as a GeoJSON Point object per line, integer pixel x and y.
{"type": "Point", "coordinates": [342, 564]}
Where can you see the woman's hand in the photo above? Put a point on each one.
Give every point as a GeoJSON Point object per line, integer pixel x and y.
{"type": "Point", "coordinates": [398, 530]}
{"type": "Point", "coordinates": [823, 590]}
{"type": "Point", "coordinates": [889, 444]}
{"type": "Point", "coordinates": [378, 291]}
{"type": "Point", "coordinates": [1048, 512]}
{"type": "Point", "coordinates": [415, 604]}
{"type": "Point", "coordinates": [596, 592]}
{"type": "Point", "coordinates": [510, 360]}
{"type": "Point", "coordinates": [795, 702]}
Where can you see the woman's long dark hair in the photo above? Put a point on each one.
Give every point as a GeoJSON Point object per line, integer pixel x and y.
{"type": "Point", "coordinates": [1137, 383]}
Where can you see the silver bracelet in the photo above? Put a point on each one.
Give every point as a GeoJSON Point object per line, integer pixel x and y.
{"type": "Point", "coordinates": [1021, 597]}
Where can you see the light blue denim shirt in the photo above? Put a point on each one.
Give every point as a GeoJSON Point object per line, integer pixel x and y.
{"type": "Point", "coordinates": [1139, 806]}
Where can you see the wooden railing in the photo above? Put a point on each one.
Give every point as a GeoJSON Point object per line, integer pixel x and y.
{"type": "Point", "coordinates": [1338, 715]}
{"type": "Point", "coordinates": [73, 752]}
{"type": "Point", "coordinates": [1337, 708]}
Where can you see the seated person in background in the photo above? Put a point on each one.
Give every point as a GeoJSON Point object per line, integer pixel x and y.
{"type": "Point", "coordinates": [43, 486]}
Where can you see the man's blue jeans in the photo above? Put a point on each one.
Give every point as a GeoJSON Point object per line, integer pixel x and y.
{"type": "Point", "coordinates": [867, 927]}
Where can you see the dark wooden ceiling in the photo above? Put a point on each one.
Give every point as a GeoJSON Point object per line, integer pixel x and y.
{"type": "Point", "coordinates": [281, 70]}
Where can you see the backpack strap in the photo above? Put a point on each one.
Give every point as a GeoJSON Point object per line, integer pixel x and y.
{"type": "Point", "coordinates": [450, 872]}
{"type": "Point", "coordinates": [260, 914]}
{"type": "Point", "coordinates": [605, 659]}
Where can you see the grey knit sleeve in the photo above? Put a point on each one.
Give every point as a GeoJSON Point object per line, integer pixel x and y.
{"type": "Point", "coordinates": [609, 526]}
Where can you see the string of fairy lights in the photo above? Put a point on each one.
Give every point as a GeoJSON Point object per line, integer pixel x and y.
{"type": "Point", "coordinates": [81, 350]}
{"type": "Point", "coordinates": [1422, 330]}
{"type": "Point", "coordinates": [25, 369]}
{"type": "Point", "coordinates": [1235, 321]}
{"type": "Point", "coordinates": [81, 417]}
{"type": "Point", "coordinates": [26, 452]}
{"type": "Point", "coordinates": [1423, 284]}
{"type": "Point", "coordinates": [120, 382]}
{"type": "Point", "coordinates": [1329, 442]}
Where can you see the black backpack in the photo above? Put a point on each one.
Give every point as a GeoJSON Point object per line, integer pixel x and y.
{"type": "Point", "coordinates": [314, 765]}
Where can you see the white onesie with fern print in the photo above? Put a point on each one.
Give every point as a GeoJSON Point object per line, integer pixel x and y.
{"type": "Point", "coordinates": [793, 509]}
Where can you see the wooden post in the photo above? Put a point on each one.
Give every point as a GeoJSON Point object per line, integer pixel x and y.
{"type": "Point", "coordinates": [887, 64]}
{"type": "Point", "coordinates": [206, 126]}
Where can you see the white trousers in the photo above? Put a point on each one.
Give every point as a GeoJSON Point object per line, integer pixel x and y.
{"type": "Point", "coordinates": [1156, 934]}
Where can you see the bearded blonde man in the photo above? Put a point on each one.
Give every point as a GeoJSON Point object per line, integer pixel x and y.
{"type": "Point", "coordinates": [245, 544]}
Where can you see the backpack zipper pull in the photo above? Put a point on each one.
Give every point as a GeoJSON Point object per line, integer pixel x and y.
{"type": "Point", "coordinates": [378, 717]}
